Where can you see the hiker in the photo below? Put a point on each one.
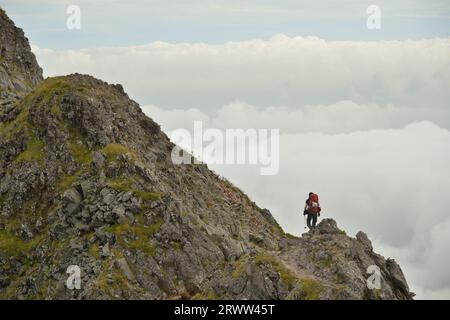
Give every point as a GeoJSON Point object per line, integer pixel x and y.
{"type": "Point", "coordinates": [312, 210]}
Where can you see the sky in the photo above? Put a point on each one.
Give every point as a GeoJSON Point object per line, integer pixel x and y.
{"type": "Point", "coordinates": [133, 22]}
{"type": "Point", "coordinates": [364, 115]}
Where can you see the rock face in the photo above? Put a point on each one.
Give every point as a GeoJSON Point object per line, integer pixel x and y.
{"type": "Point", "coordinates": [86, 179]}
{"type": "Point", "coordinates": [19, 70]}
{"type": "Point", "coordinates": [343, 265]}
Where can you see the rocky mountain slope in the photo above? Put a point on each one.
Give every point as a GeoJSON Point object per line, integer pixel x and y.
{"type": "Point", "coordinates": [19, 71]}
{"type": "Point", "coordinates": [86, 179]}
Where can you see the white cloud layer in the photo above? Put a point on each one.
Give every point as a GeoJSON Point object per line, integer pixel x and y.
{"type": "Point", "coordinates": [282, 71]}
{"type": "Point", "coordinates": [364, 124]}
{"type": "Point", "coordinates": [340, 117]}
{"type": "Point", "coordinates": [387, 182]}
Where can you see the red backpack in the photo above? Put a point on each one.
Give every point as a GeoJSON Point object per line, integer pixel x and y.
{"type": "Point", "coordinates": [314, 206]}
{"type": "Point", "coordinates": [314, 198]}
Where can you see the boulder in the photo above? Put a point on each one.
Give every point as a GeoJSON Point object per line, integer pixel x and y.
{"type": "Point", "coordinates": [123, 266]}
{"type": "Point", "coordinates": [72, 196]}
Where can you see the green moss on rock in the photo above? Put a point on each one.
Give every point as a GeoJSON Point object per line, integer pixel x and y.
{"type": "Point", "coordinates": [34, 151]}
{"type": "Point", "coordinates": [94, 250]}
{"type": "Point", "coordinates": [137, 236]}
{"type": "Point", "coordinates": [310, 289]}
{"type": "Point", "coordinates": [126, 185]}
{"type": "Point", "coordinates": [13, 245]}
{"type": "Point", "coordinates": [80, 152]}
{"type": "Point", "coordinates": [19, 124]}
{"type": "Point", "coordinates": [67, 181]}
{"type": "Point", "coordinates": [113, 150]}
{"type": "Point", "coordinates": [147, 196]}
{"type": "Point", "coordinates": [239, 266]}
{"type": "Point", "coordinates": [286, 275]}
{"type": "Point", "coordinates": [120, 184]}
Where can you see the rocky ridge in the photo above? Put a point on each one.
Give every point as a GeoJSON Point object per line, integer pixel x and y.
{"type": "Point", "coordinates": [87, 179]}
{"type": "Point", "coordinates": [19, 71]}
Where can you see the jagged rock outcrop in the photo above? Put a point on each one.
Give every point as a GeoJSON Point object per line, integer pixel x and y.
{"type": "Point", "coordinates": [19, 70]}
{"type": "Point", "coordinates": [343, 265]}
{"type": "Point", "coordinates": [86, 179]}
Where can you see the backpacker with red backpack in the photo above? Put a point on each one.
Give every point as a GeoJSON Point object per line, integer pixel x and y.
{"type": "Point", "coordinates": [313, 204]}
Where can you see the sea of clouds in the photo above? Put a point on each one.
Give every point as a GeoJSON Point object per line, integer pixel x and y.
{"type": "Point", "coordinates": [363, 124]}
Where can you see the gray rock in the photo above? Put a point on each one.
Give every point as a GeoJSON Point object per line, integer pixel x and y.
{"type": "Point", "coordinates": [76, 244]}
{"type": "Point", "coordinates": [397, 277]}
{"type": "Point", "coordinates": [105, 251]}
{"type": "Point", "coordinates": [98, 159]}
{"type": "Point", "coordinates": [85, 213]}
{"type": "Point", "coordinates": [123, 266]}
{"type": "Point", "coordinates": [19, 70]}
{"type": "Point", "coordinates": [104, 192]}
{"type": "Point", "coordinates": [71, 208]}
{"type": "Point", "coordinates": [119, 211]}
{"type": "Point", "coordinates": [72, 196]}
{"type": "Point", "coordinates": [82, 227]}
{"type": "Point", "coordinates": [364, 240]}
{"type": "Point", "coordinates": [86, 187]}
{"type": "Point", "coordinates": [109, 199]}
{"type": "Point", "coordinates": [268, 215]}
{"type": "Point", "coordinates": [126, 196]}
{"type": "Point", "coordinates": [135, 205]}
{"type": "Point", "coordinates": [328, 226]}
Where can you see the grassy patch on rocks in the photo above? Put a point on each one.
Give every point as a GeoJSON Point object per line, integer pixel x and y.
{"type": "Point", "coordinates": [120, 184]}
{"type": "Point", "coordinates": [239, 266]}
{"type": "Point", "coordinates": [145, 195]}
{"type": "Point", "coordinates": [286, 275]}
{"type": "Point", "coordinates": [51, 87]}
{"type": "Point", "coordinates": [34, 151]}
{"type": "Point", "coordinates": [55, 87]}
{"type": "Point", "coordinates": [13, 245]}
{"type": "Point", "coordinates": [126, 185]}
{"type": "Point", "coordinates": [114, 150]}
{"type": "Point", "coordinates": [80, 152]}
{"type": "Point", "coordinates": [310, 289]}
{"type": "Point", "coordinates": [109, 280]}
{"type": "Point", "coordinates": [67, 181]}
{"type": "Point", "coordinates": [137, 236]}
{"type": "Point", "coordinates": [19, 124]}
{"type": "Point", "coordinates": [94, 250]}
